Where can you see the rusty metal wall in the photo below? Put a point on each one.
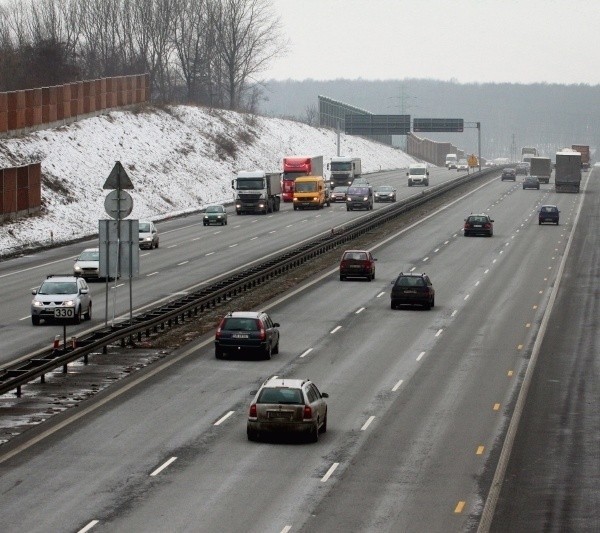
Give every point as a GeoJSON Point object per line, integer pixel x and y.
{"type": "Point", "coordinates": [20, 191]}
{"type": "Point", "coordinates": [35, 107]}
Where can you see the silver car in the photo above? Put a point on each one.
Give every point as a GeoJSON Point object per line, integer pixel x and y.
{"type": "Point", "coordinates": [148, 234]}
{"type": "Point", "coordinates": [61, 297]}
{"type": "Point", "coordinates": [293, 406]}
{"type": "Point", "coordinates": [87, 264]}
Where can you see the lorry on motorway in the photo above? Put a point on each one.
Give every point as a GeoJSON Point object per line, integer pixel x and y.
{"type": "Point", "coordinates": [584, 150]}
{"type": "Point", "coordinates": [418, 174]}
{"type": "Point", "coordinates": [294, 167]}
{"type": "Point", "coordinates": [311, 192]}
{"type": "Point", "coordinates": [527, 153]}
{"type": "Point", "coordinates": [451, 161]}
{"type": "Point", "coordinates": [567, 174]}
{"type": "Point", "coordinates": [343, 171]}
{"type": "Point", "coordinates": [542, 168]}
{"type": "Point", "coordinates": [256, 191]}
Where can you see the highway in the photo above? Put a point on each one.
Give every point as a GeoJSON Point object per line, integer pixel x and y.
{"type": "Point", "coordinates": [189, 256]}
{"type": "Point", "coordinates": [419, 401]}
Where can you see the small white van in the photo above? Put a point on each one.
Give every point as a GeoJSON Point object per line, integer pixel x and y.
{"type": "Point", "coordinates": [418, 174]}
{"type": "Point", "coordinates": [451, 161]}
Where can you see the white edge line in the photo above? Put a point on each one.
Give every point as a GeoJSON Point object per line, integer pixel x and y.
{"type": "Point", "coordinates": [439, 332]}
{"type": "Point", "coordinates": [335, 329]}
{"type": "Point", "coordinates": [329, 472]}
{"type": "Point", "coordinates": [420, 356]}
{"type": "Point", "coordinates": [286, 529]}
{"type": "Point", "coordinates": [306, 352]}
{"type": "Point", "coordinates": [360, 310]}
{"type": "Point", "coordinates": [367, 423]}
{"type": "Point", "coordinates": [378, 296]}
{"type": "Point", "coordinates": [89, 526]}
{"type": "Point", "coordinates": [223, 418]}
{"type": "Point", "coordinates": [163, 466]}
{"type": "Point", "coordinates": [397, 385]}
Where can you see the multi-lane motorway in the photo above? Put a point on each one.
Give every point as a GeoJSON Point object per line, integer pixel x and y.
{"type": "Point", "coordinates": [419, 401]}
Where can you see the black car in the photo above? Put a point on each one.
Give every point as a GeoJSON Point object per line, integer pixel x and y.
{"type": "Point", "coordinates": [548, 213]}
{"type": "Point", "coordinates": [412, 289]}
{"type": "Point", "coordinates": [357, 264]}
{"type": "Point", "coordinates": [522, 169]}
{"type": "Point", "coordinates": [385, 193]}
{"type": "Point", "coordinates": [531, 182]}
{"type": "Point", "coordinates": [480, 224]}
{"type": "Point", "coordinates": [244, 332]}
{"type": "Point", "coordinates": [509, 174]}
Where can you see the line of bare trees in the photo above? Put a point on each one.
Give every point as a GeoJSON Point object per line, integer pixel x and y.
{"type": "Point", "coordinates": [208, 52]}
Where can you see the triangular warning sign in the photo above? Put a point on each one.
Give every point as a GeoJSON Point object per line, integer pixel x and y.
{"type": "Point", "coordinates": [118, 178]}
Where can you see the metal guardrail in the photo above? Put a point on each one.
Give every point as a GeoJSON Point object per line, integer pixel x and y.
{"type": "Point", "coordinates": [176, 311]}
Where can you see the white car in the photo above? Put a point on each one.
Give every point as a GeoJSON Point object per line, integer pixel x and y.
{"type": "Point", "coordinates": [462, 165]}
{"type": "Point", "coordinates": [148, 234]}
{"type": "Point", "coordinates": [87, 264]}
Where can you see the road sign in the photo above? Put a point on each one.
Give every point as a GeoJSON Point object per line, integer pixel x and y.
{"type": "Point", "coordinates": [473, 162]}
{"type": "Point", "coordinates": [118, 178]}
{"type": "Point", "coordinates": [119, 248]}
{"type": "Point", "coordinates": [118, 204]}
{"type": "Point", "coordinates": [438, 125]}
{"type": "Point", "coordinates": [64, 312]}
{"type": "Point", "coordinates": [377, 124]}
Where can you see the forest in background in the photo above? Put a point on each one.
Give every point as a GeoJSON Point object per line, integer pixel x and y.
{"type": "Point", "coordinates": [546, 116]}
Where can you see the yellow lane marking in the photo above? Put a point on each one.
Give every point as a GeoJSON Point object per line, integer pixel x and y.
{"type": "Point", "coordinates": [459, 507]}
{"type": "Point", "coordinates": [528, 325]}
{"type": "Point", "coordinates": [496, 406]}
{"type": "Point", "coordinates": [479, 450]}
{"type": "Point", "coordinates": [509, 373]}
{"type": "Point", "coordinates": [520, 347]}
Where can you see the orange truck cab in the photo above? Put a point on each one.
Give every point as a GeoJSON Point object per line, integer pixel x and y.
{"type": "Point", "coordinates": [310, 191]}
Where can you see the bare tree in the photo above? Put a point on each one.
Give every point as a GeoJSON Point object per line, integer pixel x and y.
{"type": "Point", "coordinates": [311, 115]}
{"type": "Point", "coordinates": [248, 38]}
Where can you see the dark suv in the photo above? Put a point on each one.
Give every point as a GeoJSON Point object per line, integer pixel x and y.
{"type": "Point", "coordinates": [549, 213]}
{"type": "Point", "coordinates": [357, 264]}
{"type": "Point", "coordinates": [247, 332]}
{"type": "Point", "coordinates": [412, 289]}
{"type": "Point", "coordinates": [480, 224]}
{"type": "Point", "coordinates": [509, 174]}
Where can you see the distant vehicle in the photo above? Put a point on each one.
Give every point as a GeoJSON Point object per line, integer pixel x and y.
{"type": "Point", "coordinates": [418, 174]}
{"type": "Point", "coordinates": [451, 161]}
{"type": "Point", "coordinates": [148, 234]}
{"type": "Point", "coordinates": [256, 191]}
{"type": "Point", "coordinates": [360, 197]}
{"type": "Point", "coordinates": [584, 150]}
{"type": "Point", "coordinates": [531, 182]}
{"type": "Point", "coordinates": [243, 332]}
{"type": "Point", "coordinates": [567, 175]}
{"type": "Point", "coordinates": [462, 165]}
{"type": "Point", "coordinates": [339, 194]}
{"type": "Point", "coordinates": [61, 297]}
{"type": "Point", "coordinates": [87, 264]}
{"type": "Point", "coordinates": [311, 192]}
{"type": "Point", "coordinates": [479, 224]}
{"type": "Point", "coordinates": [542, 168]}
{"type": "Point", "coordinates": [344, 170]}
{"type": "Point", "coordinates": [508, 174]}
{"type": "Point", "coordinates": [412, 289]}
{"type": "Point", "coordinates": [527, 153]}
{"type": "Point", "coordinates": [384, 193]}
{"type": "Point", "coordinates": [522, 169]}
{"type": "Point", "coordinates": [357, 264]}
{"type": "Point", "coordinates": [296, 166]}
{"type": "Point", "coordinates": [286, 405]}
{"type": "Point", "coordinates": [215, 214]}
{"type": "Point", "coordinates": [548, 213]}
{"type": "Point", "coordinates": [357, 182]}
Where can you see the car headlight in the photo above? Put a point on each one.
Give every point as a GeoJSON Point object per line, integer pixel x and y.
{"type": "Point", "coordinates": [77, 268]}
{"type": "Point", "coordinates": [365, 198]}
{"type": "Point", "coordinates": [219, 216]}
{"type": "Point", "coordinates": [37, 303]}
{"type": "Point", "coordinates": [205, 217]}
{"type": "Point", "coordinates": [147, 238]}
{"type": "Point", "coordinates": [69, 303]}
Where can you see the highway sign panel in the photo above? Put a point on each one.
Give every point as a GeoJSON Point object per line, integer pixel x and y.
{"type": "Point", "coordinates": [440, 125]}
{"type": "Point", "coordinates": [118, 204]}
{"type": "Point", "coordinates": [377, 124]}
{"type": "Point", "coordinates": [118, 178]}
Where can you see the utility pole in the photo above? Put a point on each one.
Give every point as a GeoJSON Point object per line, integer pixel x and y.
{"type": "Point", "coordinates": [403, 104]}
{"type": "Point", "coordinates": [513, 150]}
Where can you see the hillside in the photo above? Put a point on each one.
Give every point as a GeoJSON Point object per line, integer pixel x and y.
{"type": "Point", "coordinates": [179, 159]}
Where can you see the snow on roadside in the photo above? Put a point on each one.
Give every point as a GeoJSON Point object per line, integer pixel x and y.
{"type": "Point", "coordinates": [179, 159]}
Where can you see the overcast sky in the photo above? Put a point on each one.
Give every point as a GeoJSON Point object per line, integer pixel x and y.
{"type": "Point", "coordinates": [518, 41]}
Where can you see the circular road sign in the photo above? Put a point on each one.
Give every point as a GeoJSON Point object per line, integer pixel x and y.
{"type": "Point", "coordinates": [118, 204]}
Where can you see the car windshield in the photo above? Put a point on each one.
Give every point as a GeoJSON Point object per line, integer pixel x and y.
{"type": "Point", "coordinates": [410, 281]}
{"type": "Point", "coordinates": [240, 324]}
{"type": "Point", "coordinates": [280, 395]}
{"type": "Point", "coordinates": [384, 188]}
{"type": "Point", "coordinates": [58, 287]}
{"type": "Point", "coordinates": [355, 256]}
{"type": "Point", "coordinates": [341, 166]}
{"type": "Point", "coordinates": [549, 209]}
{"type": "Point", "coordinates": [89, 256]}
{"type": "Point", "coordinates": [340, 189]}
{"type": "Point", "coordinates": [477, 220]}
{"type": "Point", "coordinates": [306, 186]}
{"type": "Point", "coordinates": [417, 171]}
{"type": "Point", "coordinates": [214, 209]}
{"type": "Point", "coordinates": [144, 227]}
{"type": "Point", "coordinates": [361, 191]}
